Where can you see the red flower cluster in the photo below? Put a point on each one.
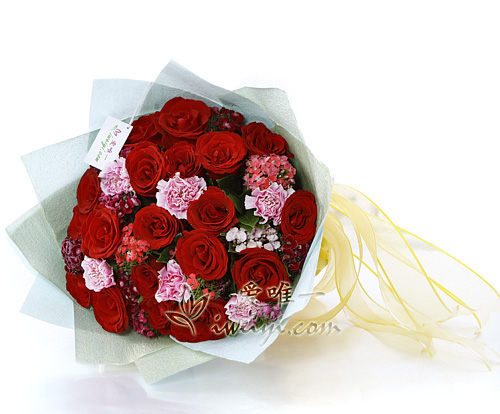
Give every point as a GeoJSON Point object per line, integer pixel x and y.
{"type": "Point", "coordinates": [174, 259]}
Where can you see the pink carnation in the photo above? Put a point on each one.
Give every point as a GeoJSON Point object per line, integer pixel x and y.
{"type": "Point", "coordinates": [97, 274]}
{"type": "Point", "coordinates": [176, 194]}
{"type": "Point", "coordinates": [268, 202]}
{"type": "Point", "coordinates": [242, 309]}
{"type": "Point", "coordinates": [114, 178]}
{"type": "Point", "coordinates": [172, 284]}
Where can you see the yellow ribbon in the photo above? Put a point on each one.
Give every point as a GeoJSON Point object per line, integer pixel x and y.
{"type": "Point", "coordinates": [419, 287]}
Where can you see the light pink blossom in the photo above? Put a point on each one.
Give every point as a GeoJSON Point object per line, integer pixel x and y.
{"type": "Point", "coordinates": [97, 274]}
{"type": "Point", "coordinates": [266, 311]}
{"type": "Point", "coordinates": [242, 309]}
{"type": "Point", "coordinates": [172, 284]}
{"type": "Point", "coordinates": [266, 238]}
{"type": "Point", "coordinates": [268, 202]}
{"type": "Point", "coordinates": [176, 194]}
{"type": "Point", "coordinates": [263, 170]}
{"type": "Point", "coordinates": [114, 178]}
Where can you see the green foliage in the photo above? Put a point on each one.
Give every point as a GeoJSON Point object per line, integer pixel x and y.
{"type": "Point", "coordinates": [230, 184]}
{"type": "Point", "coordinates": [249, 220]}
{"type": "Point", "coordinates": [145, 201]}
{"type": "Point", "coordinates": [167, 253]}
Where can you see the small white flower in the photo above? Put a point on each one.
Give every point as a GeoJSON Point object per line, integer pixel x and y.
{"type": "Point", "coordinates": [272, 237]}
{"type": "Point", "coordinates": [240, 247]}
{"type": "Point", "coordinates": [241, 236]}
{"type": "Point", "coordinates": [231, 234]}
{"type": "Point", "coordinates": [257, 233]}
{"type": "Point", "coordinates": [268, 246]}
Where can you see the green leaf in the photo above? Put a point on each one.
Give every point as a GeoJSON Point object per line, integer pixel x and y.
{"type": "Point", "coordinates": [230, 184]}
{"type": "Point", "coordinates": [246, 227]}
{"type": "Point", "coordinates": [167, 253]}
{"type": "Point", "coordinates": [261, 225]}
{"type": "Point", "coordinates": [239, 203]}
{"type": "Point", "coordinates": [249, 220]}
{"type": "Point", "coordinates": [146, 201]}
{"type": "Point", "coordinates": [238, 200]}
{"type": "Point", "coordinates": [210, 182]}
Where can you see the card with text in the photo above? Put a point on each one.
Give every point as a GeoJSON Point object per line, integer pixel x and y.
{"type": "Point", "coordinates": [108, 143]}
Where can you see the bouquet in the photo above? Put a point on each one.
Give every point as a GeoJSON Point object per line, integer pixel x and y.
{"type": "Point", "coordinates": [196, 230]}
{"type": "Point", "coordinates": [204, 224]}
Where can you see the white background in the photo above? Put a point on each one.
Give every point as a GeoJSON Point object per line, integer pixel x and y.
{"type": "Point", "coordinates": [401, 99]}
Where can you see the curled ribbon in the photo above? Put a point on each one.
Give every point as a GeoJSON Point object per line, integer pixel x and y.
{"type": "Point", "coordinates": [411, 276]}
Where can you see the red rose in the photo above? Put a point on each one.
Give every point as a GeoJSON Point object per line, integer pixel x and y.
{"type": "Point", "coordinates": [88, 191]}
{"type": "Point", "coordinates": [109, 310]}
{"type": "Point", "coordinates": [144, 129]}
{"type": "Point", "coordinates": [203, 254]}
{"type": "Point", "coordinates": [146, 166]}
{"type": "Point", "coordinates": [184, 118]}
{"type": "Point", "coordinates": [200, 320]}
{"type": "Point", "coordinates": [182, 157]}
{"type": "Point", "coordinates": [145, 279]}
{"type": "Point", "coordinates": [213, 212]}
{"type": "Point", "coordinates": [75, 226]}
{"type": "Point", "coordinates": [157, 314]}
{"type": "Point", "coordinates": [156, 226]}
{"type": "Point", "coordinates": [75, 285]}
{"type": "Point", "coordinates": [101, 233]}
{"type": "Point", "coordinates": [298, 217]}
{"type": "Point", "coordinates": [221, 152]}
{"type": "Point", "coordinates": [260, 273]}
{"type": "Point", "coordinates": [261, 141]}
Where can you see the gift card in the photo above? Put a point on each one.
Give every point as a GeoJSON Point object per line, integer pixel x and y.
{"type": "Point", "coordinates": [108, 143]}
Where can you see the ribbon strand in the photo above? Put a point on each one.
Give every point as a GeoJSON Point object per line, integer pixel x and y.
{"type": "Point", "coordinates": [421, 286]}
